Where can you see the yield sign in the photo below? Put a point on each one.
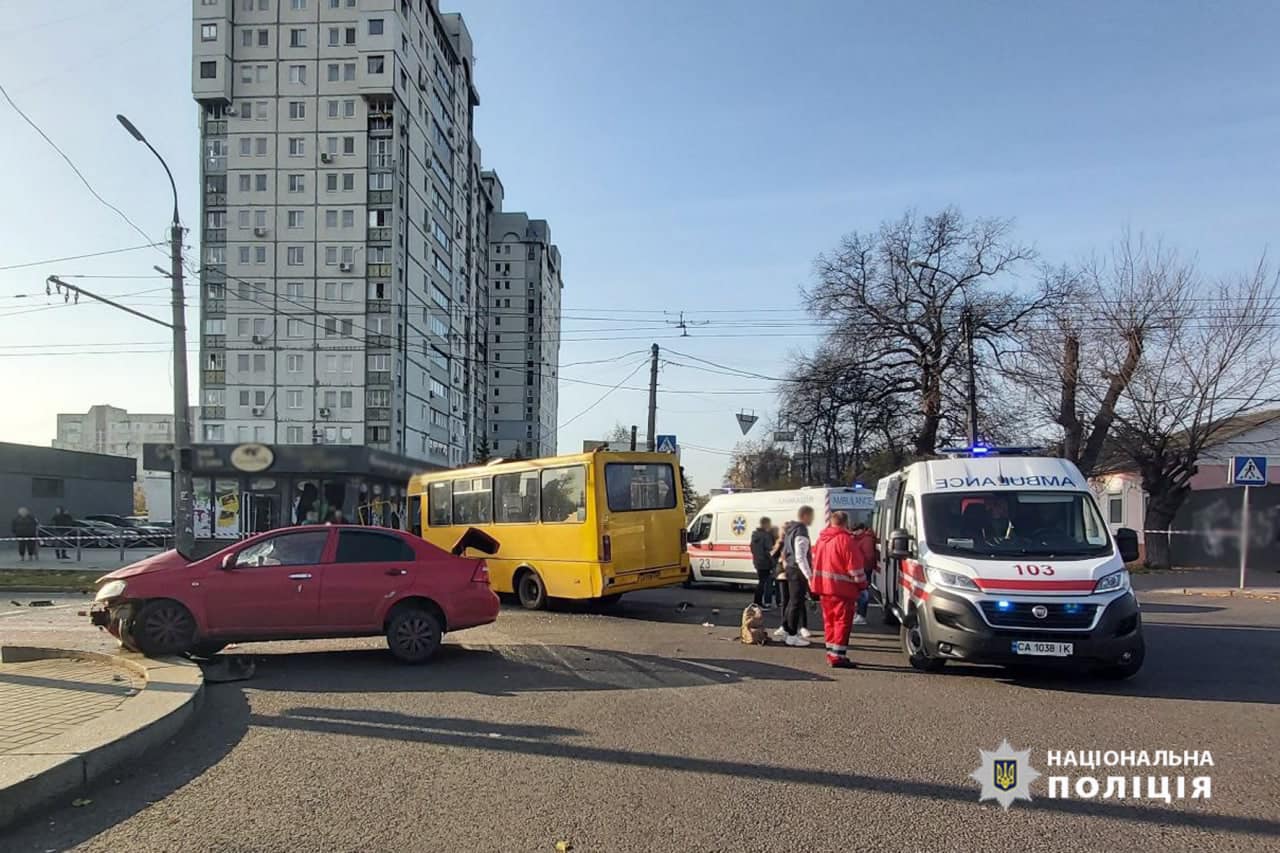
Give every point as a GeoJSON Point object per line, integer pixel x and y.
{"type": "Point", "coordinates": [746, 421]}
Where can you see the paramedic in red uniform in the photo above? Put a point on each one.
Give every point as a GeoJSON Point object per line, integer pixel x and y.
{"type": "Point", "coordinates": [839, 576]}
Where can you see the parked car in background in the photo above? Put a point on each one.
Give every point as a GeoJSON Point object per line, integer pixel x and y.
{"type": "Point", "coordinates": [308, 582]}
{"type": "Point", "coordinates": [148, 535]}
{"type": "Point", "coordinates": [80, 532]}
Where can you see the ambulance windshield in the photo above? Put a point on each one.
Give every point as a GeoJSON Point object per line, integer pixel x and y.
{"type": "Point", "coordinates": [1015, 524]}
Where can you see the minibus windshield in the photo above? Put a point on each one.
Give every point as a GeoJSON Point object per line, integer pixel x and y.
{"type": "Point", "coordinates": [1015, 524]}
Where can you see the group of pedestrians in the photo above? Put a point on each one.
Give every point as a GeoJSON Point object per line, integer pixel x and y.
{"type": "Point", "coordinates": [836, 568]}
{"type": "Point", "coordinates": [26, 529]}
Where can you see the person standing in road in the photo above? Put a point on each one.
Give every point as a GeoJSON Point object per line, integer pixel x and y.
{"type": "Point", "coordinates": [26, 529]}
{"type": "Point", "coordinates": [62, 520]}
{"type": "Point", "coordinates": [838, 579]}
{"type": "Point", "coordinates": [795, 556]}
{"type": "Point", "coordinates": [865, 540]}
{"type": "Point", "coordinates": [762, 542]}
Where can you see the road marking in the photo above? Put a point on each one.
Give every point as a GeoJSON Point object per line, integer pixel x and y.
{"type": "Point", "coordinates": [29, 610]}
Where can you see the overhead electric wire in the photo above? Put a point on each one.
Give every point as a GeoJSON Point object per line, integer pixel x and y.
{"type": "Point", "coordinates": [68, 258]}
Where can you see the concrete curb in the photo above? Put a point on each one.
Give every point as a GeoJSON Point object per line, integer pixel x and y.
{"type": "Point", "coordinates": [1215, 592]}
{"type": "Point", "coordinates": [34, 776]}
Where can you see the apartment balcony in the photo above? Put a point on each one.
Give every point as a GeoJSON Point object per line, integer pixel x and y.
{"type": "Point", "coordinates": [213, 413]}
{"type": "Point", "coordinates": [213, 377]}
{"type": "Point", "coordinates": [380, 127]}
{"type": "Point", "coordinates": [380, 198]}
{"type": "Point", "coordinates": [215, 164]}
{"type": "Point", "coordinates": [215, 235]}
{"type": "Point", "coordinates": [378, 341]}
{"type": "Point", "coordinates": [378, 416]}
{"type": "Point", "coordinates": [378, 271]}
{"type": "Point", "coordinates": [378, 377]}
{"type": "Point", "coordinates": [215, 341]}
{"type": "Point", "coordinates": [380, 235]}
{"type": "Point", "coordinates": [381, 161]}
{"type": "Point", "coordinates": [378, 306]}
{"type": "Point", "coordinates": [215, 199]}
{"type": "Point", "coordinates": [215, 306]}
{"type": "Point", "coordinates": [215, 127]}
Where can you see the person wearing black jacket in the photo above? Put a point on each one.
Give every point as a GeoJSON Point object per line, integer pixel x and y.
{"type": "Point", "coordinates": [762, 542]}
{"type": "Point", "coordinates": [62, 520]}
{"type": "Point", "coordinates": [26, 529]}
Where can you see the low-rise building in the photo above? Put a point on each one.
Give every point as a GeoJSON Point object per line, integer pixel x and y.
{"type": "Point", "coordinates": [43, 479]}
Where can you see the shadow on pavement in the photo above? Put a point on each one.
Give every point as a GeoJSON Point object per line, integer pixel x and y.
{"type": "Point", "coordinates": [215, 730]}
{"type": "Point", "coordinates": [507, 670]}
{"type": "Point", "coordinates": [1172, 609]}
{"type": "Point", "coordinates": [555, 743]}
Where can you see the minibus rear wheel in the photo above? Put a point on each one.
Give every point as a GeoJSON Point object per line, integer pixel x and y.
{"type": "Point", "coordinates": [531, 591]}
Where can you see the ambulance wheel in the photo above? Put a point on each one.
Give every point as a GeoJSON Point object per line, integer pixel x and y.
{"type": "Point", "coordinates": [911, 634]}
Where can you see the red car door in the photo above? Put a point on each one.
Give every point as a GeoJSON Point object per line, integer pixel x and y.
{"type": "Point", "coordinates": [369, 568]}
{"type": "Point", "coordinates": [272, 588]}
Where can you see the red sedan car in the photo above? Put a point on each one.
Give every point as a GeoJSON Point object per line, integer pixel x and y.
{"type": "Point", "coordinates": [301, 583]}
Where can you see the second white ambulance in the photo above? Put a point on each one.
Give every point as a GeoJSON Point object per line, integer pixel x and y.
{"type": "Point", "coordinates": [1005, 560]}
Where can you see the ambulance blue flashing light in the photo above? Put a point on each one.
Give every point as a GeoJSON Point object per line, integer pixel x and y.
{"type": "Point", "coordinates": [1004, 605]}
{"type": "Point", "coordinates": [1071, 609]}
{"type": "Point", "coordinates": [984, 450]}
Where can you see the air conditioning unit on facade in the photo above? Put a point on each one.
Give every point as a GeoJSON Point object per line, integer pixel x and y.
{"type": "Point", "coordinates": [259, 339]}
{"type": "Point", "coordinates": [229, 110]}
{"type": "Point", "coordinates": [325, 412]}
{"type": "Point", "coordinates": [345, 266]}
{"type": "Point", "coordinates": [259, 411]}
{"type": "Point", "coordinates": [326, 157]}
{"type": "Point", "coordinates": [259, 232]}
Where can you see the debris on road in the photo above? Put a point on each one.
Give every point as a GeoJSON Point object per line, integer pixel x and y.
{"type": "Point", "coordinates": [223, 668]}
{"type": "Point", "coordinates": [43, 602]}
{"type": "Point", "coordinates": [81, 802]}
{"type": "Point", "coordinates": [708, 624]}
{"type": "Point", "coordinates": [563, 847]}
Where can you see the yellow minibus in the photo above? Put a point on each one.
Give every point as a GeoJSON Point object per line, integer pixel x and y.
{"type": "Point", "coordinates": [585, 526]}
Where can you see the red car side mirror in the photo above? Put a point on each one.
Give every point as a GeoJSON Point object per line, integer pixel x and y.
{"type": "Point", "coordinates": [229, 562]}
{"type": "Point", "coordinates": [477, 539]}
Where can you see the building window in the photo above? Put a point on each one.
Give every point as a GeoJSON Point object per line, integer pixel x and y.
{"type": "Point", "coordinates": [294, 363]}
{"type": "Point", "coordinates": [377, 64]}
{"type": "Point", "coordinates": [350, 35]}
{"type": "Point", "coordinates": [297, 109]}
{"type": "Point", "coordinates": [375, 26]}
{"type": "Point", "coordinates": [297, 146]}
{"type": "Point", "coordinates": [294, 328]}
{"type": "Point", "coordinates": [297, 73]}
{"type": "Point", "coordinates": [293, 290]}
{"type": "Point", "coordinates": [334, 37]}
{"type": "Point", "coordinates": [348, 71]}
{"type": "Point", "coordinates": [332, 72]}
{"type": "Point", "coordinates": [293, 399]}
{"type": "Point", "coordinates": [297, 38]}
{"type": "Point", "coordinates": [209, 32]}
{"type": "Point", "coordinates": [294, 256]}
{"type": "Point", "coordinates": [297, 183]}
{"type": "Point", "coordinates": [213, 432]}
{"type": "Point", "coordinates": [293, 435]}
{"type": "Point", "coordinates": [296, 218]}
{"type": "Point", "coordinates": [1115, 509]}
{"type": "Point", "coordinates": [297, 5]}
{"type": "Point", "coordinates": [208, 70]}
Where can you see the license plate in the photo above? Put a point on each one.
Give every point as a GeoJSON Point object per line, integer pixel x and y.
{"type": "Point", "coordinates": [1053, 650]}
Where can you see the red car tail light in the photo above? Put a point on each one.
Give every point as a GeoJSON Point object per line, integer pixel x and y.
{"type": "Point", "coordinates": [481, 574]}
{"type": "Point", "coordinates": [606, 549]}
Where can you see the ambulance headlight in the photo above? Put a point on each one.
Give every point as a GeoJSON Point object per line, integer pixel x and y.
{"type": "Point", "coordinates": [951, 579]}
{"type": "Point", "coordinates": [1113, 582]}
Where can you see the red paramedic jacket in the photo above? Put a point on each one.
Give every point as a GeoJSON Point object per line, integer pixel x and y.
{"type": "Point", "coordinates": [839, 564]}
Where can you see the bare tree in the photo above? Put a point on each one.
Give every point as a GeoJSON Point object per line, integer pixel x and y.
{"type": "Point", "coordinates": [908, 289]}
{"type": "Point", "coordinates": [1079, 362]}
{"type": "Point", "coordinates": [757, 465]}
{"type": "Point", "coordinates": [1214, 362]}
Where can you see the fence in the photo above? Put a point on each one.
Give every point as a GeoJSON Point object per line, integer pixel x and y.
{"type": "Point", "coordinates": [1206, 531]}
{"type": "Point", "coordinates": [76, 541]}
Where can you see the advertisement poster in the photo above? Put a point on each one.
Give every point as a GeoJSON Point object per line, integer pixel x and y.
{"type": "Point", "coordinates": [201, 510]}
{"type": "Point", "coordinates": [227, 508]}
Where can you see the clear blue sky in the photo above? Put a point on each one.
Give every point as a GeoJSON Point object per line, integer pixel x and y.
{"type": "Point", "coordinates": [690, 156]}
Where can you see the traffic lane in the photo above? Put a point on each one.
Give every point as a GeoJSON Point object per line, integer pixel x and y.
{"type": "Point", "coordinates": [611, 739]}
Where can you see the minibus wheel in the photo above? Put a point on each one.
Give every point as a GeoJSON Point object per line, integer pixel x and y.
{"type": "Point", "coordinates": [911, 634]}
{"type": "Point", "coordinates": [531, 591]}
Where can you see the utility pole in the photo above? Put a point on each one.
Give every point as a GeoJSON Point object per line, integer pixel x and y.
{"type": "Point", "coordinates": [653, 397]}
{"type": "Point", "coordinates": [183, 499]}
{"type": "Point", "coordinates": [973, 382]}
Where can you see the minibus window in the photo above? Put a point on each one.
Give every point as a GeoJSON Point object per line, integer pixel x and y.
{"type": "Point", "coordinates": [632, 488]}
{"type": "Point", "coordinates": [440, 504]}
{"type": "Point", "coordinates": [515, 497]}
{"type": "Point", "coordinates": [564, 494]}
{"type": "Point", "coordinates": [473, 501]}
{"type": "Point", "coordinates": [415, 515]}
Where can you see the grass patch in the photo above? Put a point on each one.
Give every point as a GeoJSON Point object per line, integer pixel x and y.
{"type": "Point", "coordinates": [47, 580]}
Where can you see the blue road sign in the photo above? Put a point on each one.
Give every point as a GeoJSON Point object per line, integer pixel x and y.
{"type": "Point", "coordinates": [1249, 470]}
{"type": "Point", "coordinates": [666, 443]}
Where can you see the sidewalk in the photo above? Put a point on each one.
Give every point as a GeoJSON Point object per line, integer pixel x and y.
{"type": "Point", "coordinates": [66, 718]}
{"type": "Point", "coordinates": [101, 560]}
{"type": "Point", "coordinates": [1261, 582]}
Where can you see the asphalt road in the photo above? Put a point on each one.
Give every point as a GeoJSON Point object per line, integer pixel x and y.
{"type": "Point", "coordinates": [646, 731]}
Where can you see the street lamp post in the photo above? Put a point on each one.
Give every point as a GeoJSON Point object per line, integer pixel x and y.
{"type": "Point", "coordinates": [966, 324]}
{"type": "Point", "coordinates": [183, 512]}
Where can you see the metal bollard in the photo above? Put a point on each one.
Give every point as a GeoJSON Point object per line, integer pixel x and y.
{"type": "Point", "coordinates": [122, 549]}
{"type": "Point", "coordinates": [79, 545]}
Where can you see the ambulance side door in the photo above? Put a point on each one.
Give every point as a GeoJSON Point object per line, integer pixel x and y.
{"type": "Point", "coordinates": [888, 519]}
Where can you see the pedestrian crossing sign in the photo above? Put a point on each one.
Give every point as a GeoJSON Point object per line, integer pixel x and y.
{"type": "Point", "coordinates": [1249, 470]}
{"type": "Point", "coordinates": [666, 444]}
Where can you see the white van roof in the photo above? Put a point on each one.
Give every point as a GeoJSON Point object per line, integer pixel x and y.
{"type": "Point", "coordinates": [841, 497]}
{"type": "Point", "coordinates": [996, 473]}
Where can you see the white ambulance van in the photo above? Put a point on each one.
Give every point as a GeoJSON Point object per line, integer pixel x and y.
{"type": "Point", "coordinates": [720, 533]}
{"type": "Point", "coordinates": [1004, 559]}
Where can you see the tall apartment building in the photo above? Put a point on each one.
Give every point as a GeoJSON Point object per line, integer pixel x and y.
{"type": "Point", "coordinates": [344, 268]}
{"type": "Point", "coordinates": [112, 431]}
{"type": "Point", "coordinates": [524, 331]}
